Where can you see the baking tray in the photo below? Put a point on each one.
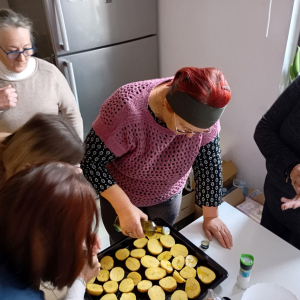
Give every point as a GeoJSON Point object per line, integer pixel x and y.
{"type": "Point", "coordinates": [203, 260]}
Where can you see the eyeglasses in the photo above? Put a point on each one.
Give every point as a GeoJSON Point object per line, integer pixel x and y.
{"type": "Point", "coordinates": [190, 132]}
{"type": "Point", "coordinates": [16, 54]}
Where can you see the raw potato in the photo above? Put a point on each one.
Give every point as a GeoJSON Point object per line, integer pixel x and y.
{"type": "Point", "coordinates": [144, 286]}
{"type": "Point", "coordinates": [168, 283]}
{"type": "Point", "coordinates": [128, 296]}
{"type": "Point", "coordinates": [122, 254]}
{"type": "Point", "coordinates": [135, 276]}
{"type": "Point", "coordinates": [140, 243]}
{"type": "Point", "coordinates": [178, 278]}
{"type": "Point", "coordinates": [110, 287]}
{"type": "Point", "coordinates": [132, 264]}
{"type": "Point", "coordinates": [92, 280]}
{"type": "Point", "coordinates": [117, 274]}
{"type": "Point", "coordinates": [191, 261]}
{"type": "Point", "coordinates": [94, 289]}
{"type": "Point", "coordinates": [150, 262]}
{"type": "Point", "coordinates": [156, 293]}
{"type": "Point", "coordinates": [178, 262]}
{"type": "Point", "coordinates": [188, 272]}
{"type": "Point", "coordinates": [138, 253]}
{"type": "Point", "coordinates": [192, 288]}
{"type": "Point", "coordinates": [179, 295]}
{"type": "Point", "coordinates": [126, 285]}
{"type": "Point", "coordinates": [165, 264]}
{"type": "Point", "coordinates": [178, 250]}
{"type": "Point", "coordinates": [155, 236]}
{"type": "Point", "coordinates": [154, 247]}
{"type": "Point", "coordinates": [107, 263]}
{"type": "Point", "coordinates": [109, 297]}
{"type": "Point", "coordinates": [103, 275]}
{"type": "Point", "coordinates": [206, 275]}
{"type": "Point", "coordinates": [167, 241]}
{"type": "Point", "coordinates": [164, 255]}
{"type": "Point", "coordinates": [155, 273]}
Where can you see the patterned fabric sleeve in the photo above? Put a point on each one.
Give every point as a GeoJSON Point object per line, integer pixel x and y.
{"type": "Point", "coordinates": [96, 157]}
{"type": "Point", "coordinates": [208, 174]}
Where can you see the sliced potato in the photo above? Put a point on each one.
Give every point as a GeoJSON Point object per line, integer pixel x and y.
{"type": "Point", "coordinates": [126, 285]}
{"type": "Point", "coordinates": [110, 287]}
{"type": "Point", "coordinates": [165, 264]}
{"type": "Point", "coordinates": [178, 262]}
{"type": "Point", "coordinates": [164, 255]}
{"type": "Point", "coordinates": [192, 288]}
{"type": "Point", "coordinates": [179, 250]}
{"type": "Point", "coordinates": [150, 262]}
{"type": "Point", "coordinates": [178, 278]}
{"type": "Point", "coordinates": [206, 275]}
{"type": "Point", "coordinates": [94, 289]}
{"type": "Point", "coordinates": [138, 253]}
{"type": "Point", "coordinates": [132, 264]}
{"type": "Point", "coordinates": [103, 275]}
{"type": "Point", "coordinates": [168, 283]}
{"type": "Point", "coordinates": [188, 272]}
{"type": "Point", "coordinates": [191, 261]}
{"type": "Point", "coordinates": [107, 263]}
{"type": "Point", "coordinates": [154, 247]}
{"type": "Point", "coordinates": [144, 286]}
{"type": "Point", "coordinates": [179, 295]}
{"type": "Point", "coordinates": [109, 297]}
{"type": "Point", "coordinates": [128, 296]}
{"type": "Point", "coordinates": [140, 243]}
{"type": "Point", "coordinates": [92, 280]}
{"type": "Point", "coordinates": [156, 293]}
{"type": "Point", "coordinates": [155, 236]}
{"type": "Point", "coordinates": [135, 276]}
{"type": "Point", "coordinates": [167, 241]}
{"type": "Point", "coordinates": [155, 273]}
{"type": "Point", "coordinates": [122, 254]}
{"type": "Point", "coordinates": [117, 274]}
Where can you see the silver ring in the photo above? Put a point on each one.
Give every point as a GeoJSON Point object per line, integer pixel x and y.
{"type": "Point", "coordinates": [129, 233]}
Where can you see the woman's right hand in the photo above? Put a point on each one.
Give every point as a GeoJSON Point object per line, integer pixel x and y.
{"type": "Point", "coordinates": [130, 221]}
{"type": "Point", "coordinates": [8, 97]}
{"type": "Point", "coordinates": [88, 272]}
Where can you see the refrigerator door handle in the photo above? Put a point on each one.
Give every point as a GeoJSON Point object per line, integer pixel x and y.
{"type": "Point", "coordinates": [62, 25]}
{"type": "Point", "coordinates": [71, 77]}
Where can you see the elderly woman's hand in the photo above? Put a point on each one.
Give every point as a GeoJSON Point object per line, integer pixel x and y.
{"type": "Point", "coordinates": [8, 97]}
{"type": "Point", "coordinates": [216, 227]}
{"type": "Point", "coordinates": [87, 273]}
{"type": "Point", "coordinates": [290, 203]}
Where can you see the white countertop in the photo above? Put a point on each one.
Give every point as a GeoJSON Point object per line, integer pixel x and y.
{"type": "Point", "coordinates": [275, 260]}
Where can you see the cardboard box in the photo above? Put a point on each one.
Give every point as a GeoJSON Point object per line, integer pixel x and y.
{"type": "Point", "coordinates": [252, 209]}
{"type": "Point", "coordinates": [234, 198]}
{"type": "Point", "coordinates": [229, 173]}
{"type": "Point", "coordinates": [257, 196]}
{"type": "Point", "coordinates": [187, 206]}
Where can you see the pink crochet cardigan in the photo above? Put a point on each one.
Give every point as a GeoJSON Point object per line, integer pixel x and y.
{"type": "Point", "coordinates": [152, 161]}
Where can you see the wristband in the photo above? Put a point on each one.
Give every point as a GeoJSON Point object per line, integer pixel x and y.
{"type": "Point", "coordinates": [82, 281]}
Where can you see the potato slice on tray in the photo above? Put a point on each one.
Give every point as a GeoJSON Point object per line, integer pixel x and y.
{"type": "Point", "coordinates": [178, 262]}
{"type": "Point", "coordinates": [168, 283]}
{"type": "Point", "coordinates": [192, 288]}
{"type": "Point", "coordinates": [129, 296]}
{"type": "Point", "coordinates": [103, 275]}
{"type": "Point", "coordinates": [188, 272]}
{"type": "Point", "coordinates": [206, 275]}
{"type": "Point", "coordinates": [126, 285]}
{"type": "Point", "coordinates": [110, 287]}
{"type": "Point", "coordinates": [156, 293]}
{"type": "Point", "coordinates": [94, 289]}
{"type": "Point", "coordinates": [165, 264]}
{"type": "Point", "coordinates": [155, 236]}
{"type": "Point", "coordinates": [144, 286]}
{"type": "Point", "coordinates": [179, 250]}
{"type": "Point", "coordinates": [122, 254]}
{"type": "Point", "coordinates": [155, 273]}
{"type": "Point", "coordinates": [140, 243]}
{"type": "Point", "coordinates": [149, 261]}
{"type": "Point", "coordinates": [132, 264]}
{"type": "Point", "coordinates": [154, 247]}
{"type": "Point", "coordinates": [92, 280]}
{"type": "Point", "coordinates": [135, 276]}
{"type": "Point", "coordinates": [167, 241]}
{"type": "Point", "coordinates": [179, 295]}
{"type": "Point", "coordinates": [138, 253]}
{"type": "Point", "coordinates": [107, 263]}
{"type": "Point", "coordinates": [109, 297]}
{"type": "Point", "coordinates": [191, 261]}
{"type": "Point", "coordinates": [178, 277]}
{"type": "Point", "coordinates": [117, 274]}
{"type": "Point", "coordinates": [164, 255]}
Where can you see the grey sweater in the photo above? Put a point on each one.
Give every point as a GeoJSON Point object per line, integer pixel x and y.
{"type": "Point", "coordinates": [278, 138]}
{"type": "Point", "coordinates": [45, 91]}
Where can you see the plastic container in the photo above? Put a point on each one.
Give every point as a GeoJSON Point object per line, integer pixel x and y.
{"type": "Point", "coordinates": [242, 185]}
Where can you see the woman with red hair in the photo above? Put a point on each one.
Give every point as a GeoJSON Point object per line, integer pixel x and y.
{"type": "Point", "coordinates": [46, 216]}
{"type": "Point", "coordinates": [146, 138]}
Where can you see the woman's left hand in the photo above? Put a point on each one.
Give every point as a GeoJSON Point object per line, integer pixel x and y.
{"type": "Point", "coordinates": [290, 203]}
{"type": "Point", "coordinates": [214, 226]}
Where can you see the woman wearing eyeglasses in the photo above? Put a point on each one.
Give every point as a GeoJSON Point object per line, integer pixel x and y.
{"type": "Point", "coordinates": [29, 85]}
{"type": "Point", "coordinates": [146, 138]}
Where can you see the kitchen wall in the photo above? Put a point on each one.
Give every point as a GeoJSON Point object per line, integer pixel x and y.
{"type": "Point", "coordinates": [230, 35]}
{"type": "Point", "coordinates": [3, 4]}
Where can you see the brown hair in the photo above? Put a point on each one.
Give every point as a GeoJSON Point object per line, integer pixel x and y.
{"type": "Point", "coordinates": [46, 213]}
{"type": "Point", "coordinates": [42, 139]}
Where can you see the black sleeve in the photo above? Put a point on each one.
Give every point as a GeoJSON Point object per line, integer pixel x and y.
{"type": "Point", "coordinates": [267, 137]}
{"type": "Point", "coordinates": [208, 174]}
{"type": "Point", "coordinates": [96, 156]}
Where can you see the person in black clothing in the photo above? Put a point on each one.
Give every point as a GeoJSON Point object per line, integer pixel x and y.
{"type": "Point", "coordinates": [278, 138]}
